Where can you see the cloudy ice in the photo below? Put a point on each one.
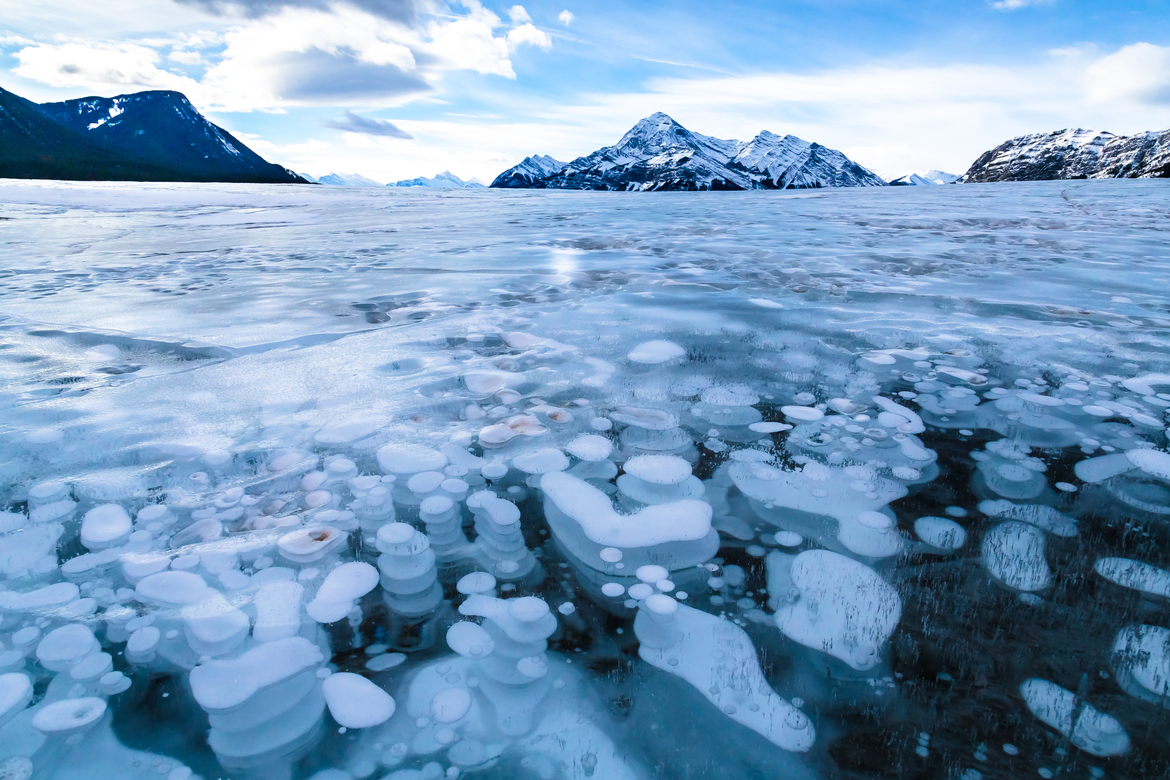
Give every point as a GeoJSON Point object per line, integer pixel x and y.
{"type": "Point", "coordinates": [333, 483]}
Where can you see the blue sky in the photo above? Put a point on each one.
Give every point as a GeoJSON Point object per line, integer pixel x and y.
{"type": "Point", "coordinates": [400, 88]}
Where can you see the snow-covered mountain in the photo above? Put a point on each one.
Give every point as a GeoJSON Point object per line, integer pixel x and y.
{"type": "Point", "coordinates": [660, 154]}
{"type": "Point", "coordinates": [346, 180]}
{"type": "Point", "coordinates": [531, 169]}
{"type": "Point", "coordinates": [164, 129]}
{"type": "Point", "coordinates": [925, 177]}
{"type": "Point", "coordinates": [444, 181]}
{"type": "Point", "coordinates": [1075, 154]}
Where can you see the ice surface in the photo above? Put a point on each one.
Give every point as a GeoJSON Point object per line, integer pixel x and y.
{"type": "Point", "coordinates": [900, 450]}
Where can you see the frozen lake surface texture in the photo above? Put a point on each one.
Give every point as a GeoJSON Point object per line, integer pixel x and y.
{"type": "Point", "coordinates": [336, 483]}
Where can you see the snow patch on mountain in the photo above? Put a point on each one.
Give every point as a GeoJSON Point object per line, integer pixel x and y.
{"type": "Point", "coordinates": [922, 178]}
{"type": "Point", "coordinates": [347, 180]}
{"type": "Point", "coordinates": [1075, 154]}
{"type": "Point", "coordinates": [444, 181]}
{"type": "Point", "coordinates": [660, 154]}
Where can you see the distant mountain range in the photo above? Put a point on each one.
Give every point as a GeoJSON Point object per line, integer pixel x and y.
{"type": "Point", "coordinates": [660, 154]}
{"type": "Point", "coordinates": [925, 178]}
{"type": "Point", "coordinates": [443, 181]}
{"type": "Point", "coordinates": [1075, 154]}
{"type": "Point", "coordinates": [145, 136]}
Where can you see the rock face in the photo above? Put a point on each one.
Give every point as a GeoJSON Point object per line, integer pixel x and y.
{"type": "Point", "coordinates": [660, 154]}
{"type": "Point", "coordinates": [147, 136]}
{"type": "Point", "coordinates": [1075, 154]}
{"type": "Point", "coordinates": [923, 178]}
{"type": "Point", "coordinates": [531, 170]}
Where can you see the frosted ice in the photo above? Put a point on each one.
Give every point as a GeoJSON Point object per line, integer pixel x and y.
{"type": "Point", "coordinates": [879, 457]}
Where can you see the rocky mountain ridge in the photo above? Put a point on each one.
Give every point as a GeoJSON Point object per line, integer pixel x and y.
{"type": "Point", "coordinates": [1075, 154]}
{"type": "Point", "coordinates": [659, 154]}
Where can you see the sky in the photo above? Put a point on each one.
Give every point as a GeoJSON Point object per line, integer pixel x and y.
{"type": "Point", "coordinates": [394, 89]}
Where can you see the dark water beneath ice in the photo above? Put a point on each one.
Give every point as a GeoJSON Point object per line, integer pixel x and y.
{"type": "Point", "coordinates": [926, 534]}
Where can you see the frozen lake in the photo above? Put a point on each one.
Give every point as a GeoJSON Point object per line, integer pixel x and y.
{"type": "Point", "coordinates": [334, 483]}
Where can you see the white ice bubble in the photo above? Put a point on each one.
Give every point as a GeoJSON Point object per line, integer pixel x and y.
{"type": "Point", "coordinates": [1090, 730]}
{"type": "Point", "coordinates": [16, 691]}
{"type": "Point", "coordinates": [470, 640]}
{"type": "Point", "coordinates": [845, 609]}
{"type": "Point", "coordinates": [541, 461]}
{"type": "Point", "coordinates": [355, 702]}
{"type": "Point", "coordinates": [651, 573]}
{"type": "Point", "coordinates": [613, 589]}
{"type": "Point", "coordinates": [69, 715]}
{"type": "Point", "coordinates": [105, 526]}
{"type": "Point", "coordinates": [450, 705]}
{"type": "Point", "coordinates": [658, 469]}
{"type": "Point", "coordinates": [769, 427]}
{"type": "Point", "coordinates": [227, 683]}
{"type": "Point", "coordinates": [802, 413]}
{"type": "Point", "coordinates": [340, 590]}
{"type": "Point", "coordinates": [1135, 575]}
{"type": "Point", "coordinates": [653, 352]}
{"type": "Point", "coordinates": [941, 533]}
{"type": "Point", "coordinates": [406, 459]}
{"type": "Point", "coordinates": [590, 447]}
{"type": "Point", "coordinates": [1013, 553]}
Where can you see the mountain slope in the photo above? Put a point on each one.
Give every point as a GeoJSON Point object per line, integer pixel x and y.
{"type": "Point", "coordinates": [660, 154]}
{"type": "Point", "coordinates": [33, 146]}
{"type": "Point", "coordinates": [1075, 154]}
{"type": "Point", "coordinates": [530, 170]}
{"type": "Point", "coordinates": [164, 128]}
{"type": "Point", "coordinates": [346, 180]}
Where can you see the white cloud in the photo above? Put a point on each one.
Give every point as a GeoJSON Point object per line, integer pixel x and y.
{"type": "Point", "coordinates": [1138, 72]}
{"type": "Point", "coordinates": [565, 17]}
{"type": "Point", "coordinates": [528, 34]}
{"type": "Point", "coordinates": [518, 15]}
{"type": "Point", "coordinates": [297, 56]}
{"type": "Point", "coordinates": [105, 68]}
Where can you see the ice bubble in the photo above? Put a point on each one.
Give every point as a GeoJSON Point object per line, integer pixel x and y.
{"type": "Point", "coordinates": [590, 447]}
{"type": "Point", "coordinates": [1141, 662]}
{"type": "Point", "coordinates": [142, 644]}
{"type": "Point", "coordinates": [470, 640]}
{"type": "Point", "coordinates": [651, 573]}
{"type": "Point", "coordinates": [381, 663]}
{"type": "Point", "coordinates": [567, 608]}
{"type": "Point", "coordinates": [646, 419]}
{"type": "Point", "coordinates": [487, 382]}
{"type": "Point", "coordinates": [844, 609]}
{"type": "Point", "coordinates": [224, 684]}
{"type": "Point", "coordinates": [340, 590]}
{"type": "Point", "coordinates": [613, 589]}
{"type": "Point", "coordinates": [1089, 729]}
{"type": "Point", "coordinates": [494, 470]}
{"type": "Point", "coordinates": [1153, 462]}
{"type": "Point", "coordinates": [214, 626]}
{"type": "Point", "coordinates": [450, 705]}
{"type": "Point", "coordinates": [658, 469]}
{"type": "Point", "coordinates": [940, 532]}
{"type": "Point", "coordinates": [425, 482]}
{"type": "Point", "coordinates": [789, 539]}
{"type": "Point", "coordinates": [1039, 515]}
{"type": "Point", "coordinates": [610, 555]}
{"type": "Point", "coordinates": [769, 427]}
{"type": "Point", "coordinates": [173, 588]}
{"type": "Point", "coordinates": [105, 526]}
{"type": "Point", "coordinates": [16, 691]}
{"type": "Point", "coordinates": [65, 646]}
{"type": "Point", "coordinates": [69, 715]}
{"type": "Point", "coordinates": [802, 413]}
{"type": "Point", "coordinates": [56, 595]}
{"type": "Point", "coordinates": [600, 424]}
{"type": "Point", "coordinates": [730, 395]}
{"type": "Point", "coordinates": [312, 543]}
{"type": "Point", "coordinates": [1013, 553]}
{"type": "Point", "coordinates": [542, 461]}
{"type": "Point", "coordinates": [718, 659]}
{"type": "Point", "coordinates": [502, 433]}
{"type": "Point", "coordinates": [912, 423]}
{"type": "Point", "coordinates": [405, 459]}
{"type": "Point", "coordinates": [641, 591]}
{"type": "Point", "coordinates": [476, 582]}
{"type": "Point", "coordinates": [653, 352]}
{"type": "Point", "coordinates": [1135, 575]}
{"type": "Point", "coordinates": [355, 702]}
{"type": "Point", "coordinates": [683, 520]}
